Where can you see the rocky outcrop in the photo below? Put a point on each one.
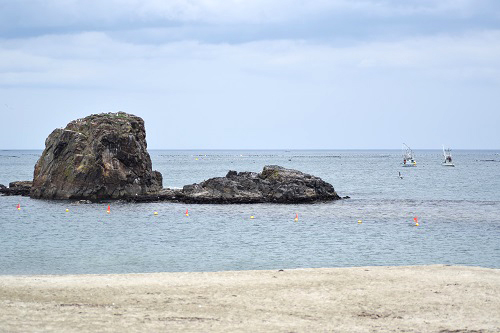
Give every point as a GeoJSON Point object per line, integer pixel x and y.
{"type": "Point", "coordinates": [105, 156]}
{"type": "Point", "coordinates": [17, 188]}
{"type": "Point", "coordinates": [274, 184]}
{"type": "Point", "coordinates": [101, 156]}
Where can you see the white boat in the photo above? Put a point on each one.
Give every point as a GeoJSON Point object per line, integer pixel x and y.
{"type": "Point", "coordinates": [408, 157]}
{"type": "Point", "coordinates": [448, 160]}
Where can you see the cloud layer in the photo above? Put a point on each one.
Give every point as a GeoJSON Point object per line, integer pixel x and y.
{"type": "Point", "coordinates": [211, 19]}
{"type": "Point", "coordinates": [336, 67]}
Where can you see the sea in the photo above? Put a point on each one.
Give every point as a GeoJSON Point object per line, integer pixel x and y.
{"type": "Point", "coordinates": [457, 209]}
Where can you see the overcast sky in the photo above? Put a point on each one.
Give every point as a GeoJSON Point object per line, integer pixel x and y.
{"type": "Point", "coordinates": [256, 74]}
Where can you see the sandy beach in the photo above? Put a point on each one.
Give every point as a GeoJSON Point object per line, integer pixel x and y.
{"type": "Point", "coordinates": [362, 299]}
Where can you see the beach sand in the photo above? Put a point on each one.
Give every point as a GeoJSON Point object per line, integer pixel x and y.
{"type": "Point", "coordinates": [362, 299]}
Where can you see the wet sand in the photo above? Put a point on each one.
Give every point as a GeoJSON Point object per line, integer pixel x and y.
{"type": "Point", "coordinates": [362, 299]}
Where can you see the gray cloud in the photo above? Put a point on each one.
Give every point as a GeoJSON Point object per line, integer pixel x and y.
{"type": "Point", "coordinates": [240, 21]}
{"type": "Point", "coordinates": [333, 67]}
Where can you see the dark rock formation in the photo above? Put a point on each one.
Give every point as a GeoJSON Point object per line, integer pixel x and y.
{"type": "Point", "coordinates": [20, 187]}
{"type": "Point", "coordinates": [17, 188]}
{"type": "Point", "coordinates": [104, 157]}
{"type": "Point", "coordinates": [101, 156]}
{"type": "Point", "coordinates": [274, 184]}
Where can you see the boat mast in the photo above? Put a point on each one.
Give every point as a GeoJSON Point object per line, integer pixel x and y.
{"type": "Point", "coordinates": [408, 153]}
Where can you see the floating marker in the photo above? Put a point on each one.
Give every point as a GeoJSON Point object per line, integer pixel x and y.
{"type": "Point", "coordinates": [196, 159]}
{"type": "Point", "coordinates": [109, 209]}
{"type": "Point", "coordinates": [155, 213]}
{"type": "Point", "coordinates": [18, 206]}
{"type": "Point", "coordinates": [359, 221]}
{"type": "Point", "coordinates": [415, 219]}
{"type": "Point", "coordinates": [67, 210]}
{"type": "Point", "coordinates": [296, 217]}
{"type": "Point", "coordinates": [252, 217]}
{"type": "Point", "coordinates": [187, 213]}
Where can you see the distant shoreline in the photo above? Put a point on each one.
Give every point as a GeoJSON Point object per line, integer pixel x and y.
{"type": "Point", "coordinates": [360, 299]}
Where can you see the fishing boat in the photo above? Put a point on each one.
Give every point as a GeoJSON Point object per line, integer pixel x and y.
{"type": "Point", "coordinates": [448, 161]}
{"type": "Point", "coordinates": [408, 157]}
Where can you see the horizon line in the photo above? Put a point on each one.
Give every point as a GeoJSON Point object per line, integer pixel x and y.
{"type": "Point", "coordinates": [276, 149]}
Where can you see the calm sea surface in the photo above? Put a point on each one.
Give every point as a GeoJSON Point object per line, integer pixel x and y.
{"type": "Point", "coordinates": [458, 210]}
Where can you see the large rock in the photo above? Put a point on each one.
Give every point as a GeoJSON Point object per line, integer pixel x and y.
{"type": "Point", "coordinates": [274, 184]}
{"type": "Point", "coordinates": [101, 156]}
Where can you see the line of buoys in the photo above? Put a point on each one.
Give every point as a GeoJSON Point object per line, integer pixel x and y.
{"type": "Point", "coordinates": [296, 219]}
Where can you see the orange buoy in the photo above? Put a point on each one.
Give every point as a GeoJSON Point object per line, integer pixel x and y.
{"type": "Point", "coordinates": [18, 206]}
{"type": "Point", "coordinates": [187, 213]}
{"type": "Point", "coordinates": [296, 217]}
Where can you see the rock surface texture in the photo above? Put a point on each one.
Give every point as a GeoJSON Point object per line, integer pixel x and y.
{"type": "Point", "coordinates": [274, 184]}
{"type": "Point", "coordinates": [17, 188]}
{"type": "Point", "coordinates": [101, 156]}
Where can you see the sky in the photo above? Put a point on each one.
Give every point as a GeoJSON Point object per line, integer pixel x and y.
{"type": "Point", "coordinates": [256, 74]}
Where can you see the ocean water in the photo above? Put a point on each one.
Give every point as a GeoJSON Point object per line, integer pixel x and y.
{"type": "Point", "coordinates": [458, 210]}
